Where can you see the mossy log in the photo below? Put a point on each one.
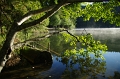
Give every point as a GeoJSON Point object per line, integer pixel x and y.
{"type": "Point", "coordinates": [37, 56]}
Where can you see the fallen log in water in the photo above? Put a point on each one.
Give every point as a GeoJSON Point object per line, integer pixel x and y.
{"type": "Point", "coordinates": [36, 56]}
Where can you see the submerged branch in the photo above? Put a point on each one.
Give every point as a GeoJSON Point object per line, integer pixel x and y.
{"type": "Point", "coordinates": [26, 42]}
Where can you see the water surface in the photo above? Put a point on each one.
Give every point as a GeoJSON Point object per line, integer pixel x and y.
{"type": "Point", "coordinates": [84, 69]}
{"type": "Point", "coordinates": [110, 37]}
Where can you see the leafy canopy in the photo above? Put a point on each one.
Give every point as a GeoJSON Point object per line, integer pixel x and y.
{"type": "Point", "coordinates": [107, 11]}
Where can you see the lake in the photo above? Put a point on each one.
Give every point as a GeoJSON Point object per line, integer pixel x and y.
{"type": "Point", "coordinates": [86, 68]}
{"type": "Point", "coordinates": [110, 37]}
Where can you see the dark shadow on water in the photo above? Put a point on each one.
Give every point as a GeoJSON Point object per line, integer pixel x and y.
{"type": "Point", "coordinates": [24, 72]}
{"type": "Point", "coordinates": [26, 69]}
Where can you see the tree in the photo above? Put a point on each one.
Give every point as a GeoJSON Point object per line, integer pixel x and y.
{"type": "Point", "coordinates": [106, 11]}
{"type": "Point", "coordinates": [63, 18]}
{"type": "Point", "coordinates": [20, 20]}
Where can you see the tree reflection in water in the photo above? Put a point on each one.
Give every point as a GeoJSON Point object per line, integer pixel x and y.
{"type": "Point", "coordinates": [88, 68]}
{"type": "Point", "coordinates": [82, 62]}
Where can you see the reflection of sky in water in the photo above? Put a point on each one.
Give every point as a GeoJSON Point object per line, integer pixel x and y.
{"type": "Point", "coordinates": [56, 70]}
{"type": "Point", "coordinates": [112, 64]}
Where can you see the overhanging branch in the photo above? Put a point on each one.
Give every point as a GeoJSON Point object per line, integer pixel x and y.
{"type": "Point", "coordinates": [51, 9]}
{"type": "Point", "coordinates": [34, 12]}
{"type": "Point", "coordinates": [38, 21]}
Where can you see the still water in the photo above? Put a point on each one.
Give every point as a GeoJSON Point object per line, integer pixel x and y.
{"type": "Point", "coordinates": [111, 38]}
{"type": "Point", "coordinates": [84, 69]}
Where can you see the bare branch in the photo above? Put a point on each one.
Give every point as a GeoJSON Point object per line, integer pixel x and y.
{"type": "Point", "coordinates": [26, 42]}
{"type": "Point", "coordinates": [20, 44]}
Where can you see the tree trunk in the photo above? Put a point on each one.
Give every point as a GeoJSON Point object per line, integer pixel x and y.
{"type": "Point", "coordinates": [7, 46]}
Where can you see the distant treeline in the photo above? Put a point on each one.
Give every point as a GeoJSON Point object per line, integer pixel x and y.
{"type": "Point", "coordinates": [92, 24]}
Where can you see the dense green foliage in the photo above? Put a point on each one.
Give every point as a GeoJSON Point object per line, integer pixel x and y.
{"type": "Point", "coordinates": [66, 16]}
{"type": "Point", "coordinates": [107, 11]}
{"type": "Point", "coordinates": [86, 46]}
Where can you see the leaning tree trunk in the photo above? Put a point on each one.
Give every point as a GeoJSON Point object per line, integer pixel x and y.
{"type": "Point", "coordinates": [7, 46]}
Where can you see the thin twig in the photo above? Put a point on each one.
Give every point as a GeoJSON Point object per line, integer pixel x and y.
{"type": "Point", "coordinates": [83, 31]}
